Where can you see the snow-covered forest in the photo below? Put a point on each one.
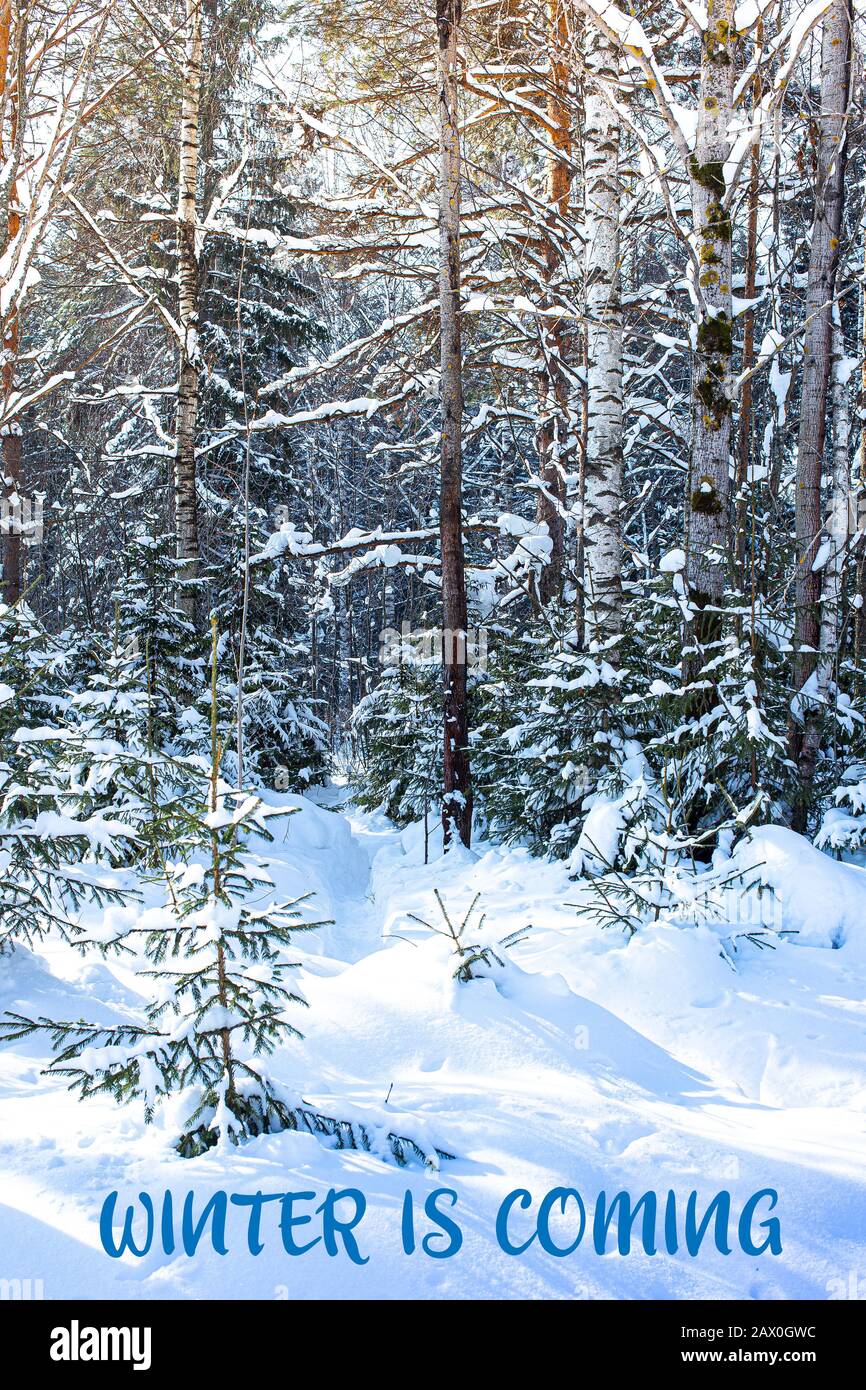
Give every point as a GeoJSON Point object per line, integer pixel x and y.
{"type": "Point", "coordinates": [433, 532]}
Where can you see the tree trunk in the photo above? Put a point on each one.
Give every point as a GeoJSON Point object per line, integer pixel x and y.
{"type": "Point", "coordinates": [602, 524]}
{"type": "Point", "coordinates": [554, 391]}
{"type": "Point", "coordinates": [457, 792]}
{"type": "Point", "coordinates": [831, 575]}
{"type": "Point", "coordinates": [859, 503]}
{"type": "Point", "coordinates": [838, 525]}
{"type": "Point", "coordinates": [744, 414]}
{"type": "Point", "coordinates": [11, 517]}
{"type": "Point", "coordinates": [185, 500]}
{"type": "Point", "coordinates": [804, 734]}
{"type": "Point", "coordinates": [708, 521]}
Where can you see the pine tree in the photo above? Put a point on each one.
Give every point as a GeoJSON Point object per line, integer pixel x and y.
{"type": "Point", "coordinates": [554, 728]}
{"type": "Point", "coordinates": [285, 742]}
{"type": "Point", "coordinates": [843, 826]}
{"type": "Point", "coordinates": [398, 734]}
{"type": "Point", "coordinates": [42, 880]}
{"type": "Point", "coordinates": [155, 634]}
{"type": "Point", "coordinates": [215, 961]}
{"type": "Point", "coordinates": [104, 765]}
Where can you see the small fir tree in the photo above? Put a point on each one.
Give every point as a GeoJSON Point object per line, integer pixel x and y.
{"type": "Point", "coordinates": [215, 959]}
{"type": "Point", "coordinates": [43, 880]}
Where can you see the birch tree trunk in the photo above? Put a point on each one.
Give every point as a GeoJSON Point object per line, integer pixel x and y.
{"type": "Point", "coordinates": [859, 498]}
{"type": "Point", "coordinates": [708, 506]}
{"type": "Point", "coordinates": [457, 791]}
{"type": "Point", "coordinates": [554, 391]}
{"type": "Point", "coordinates": [602, 526]}
{"type": "Point", "coordinates": [745, 421]}
{"type": "Point", "coordinates": [836, 533]}
{"type": "Point", "coordinates": [838, 525]}
{"type": "Point", "coordinates": [185, 501]}
{"type": "Point", "coordinates": [11, 93]}
{"type": "Point", "coordinates": [804, 733]}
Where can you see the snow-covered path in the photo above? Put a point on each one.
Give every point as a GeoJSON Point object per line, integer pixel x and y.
{"type": "Point", "coordinates": [588, 1063]}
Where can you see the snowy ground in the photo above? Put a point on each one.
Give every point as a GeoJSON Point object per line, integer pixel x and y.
{"type": "Point", "coordinates": [591, 1063]}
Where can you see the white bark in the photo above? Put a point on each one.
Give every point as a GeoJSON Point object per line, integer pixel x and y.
{"type": "Point", "coordinates": [821, 284]}
{"type": "Point", "coordinates": [708, 522]}
{"type": "Point", "coordinates": [602, 528]}
{"type": "Point", "coordinates": [837, 527]}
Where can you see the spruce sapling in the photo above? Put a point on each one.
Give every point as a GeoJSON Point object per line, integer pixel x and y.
{"type": "Point", "coordinates": [471, 953]}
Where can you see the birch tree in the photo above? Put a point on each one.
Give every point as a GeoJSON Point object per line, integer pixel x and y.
{"type": "Point", "coordinates": [602, 529]}
{"type": "Point", "coordinates": [804, 732]}
{"type": "Point", "coordinates": [837, 527]}
{"type": "Point", "coordinates": [708, 522]}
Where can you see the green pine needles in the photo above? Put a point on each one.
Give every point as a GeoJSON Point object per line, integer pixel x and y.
{"type": "Point", "coordinates": [42, 842]}
{"type": "Point", "coordinates": [214, 955]}
{"type": "Point", "coordinates": [467, 938]}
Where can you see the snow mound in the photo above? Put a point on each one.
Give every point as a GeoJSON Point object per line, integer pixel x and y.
{"type": "Point", "coordinates": [314, 851]}
{"type": "Point", "coordinates": [591, 1060]}
{"type": "Point", "coordinates": [816, 897]}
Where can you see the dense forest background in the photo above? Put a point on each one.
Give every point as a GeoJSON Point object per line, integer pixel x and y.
{"type": "Point", "coordinates": [347, 325]}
